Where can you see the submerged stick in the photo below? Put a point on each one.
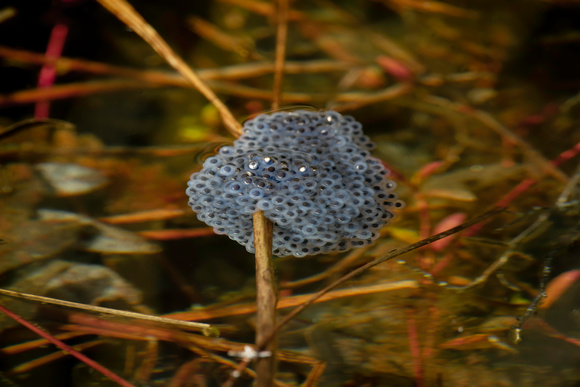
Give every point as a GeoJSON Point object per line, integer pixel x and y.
{"type": "Point", "coordinates": [266, 290]}
{"type": "Point", "coordinates": [206, 329]}
{"type": "Point", "coordinates": [266, 298]}
{"type": "Point", "coordinates": [281, 36]}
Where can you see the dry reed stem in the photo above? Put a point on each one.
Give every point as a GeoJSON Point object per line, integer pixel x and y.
{"type": "Point", "coordinates": [108, 312]}
{"type": "Point", "coordinates": [264, 8]}
{"type": "Point", "coordinates": [433, 7]}
{"type": "Point", "coordinates": [234, 72]}
{"type": "Point", "coordinates": [315, 374]}
{"type": "Point", "coordinates": [144, 216]}
{"type": "Point", "coordinates": [23, 347]}
{"type": "Point", "coordinates": [358, 100]}
{"type": "Point", "coordinates": [281, 36]}
{"type": "Point", "coordinates": [71, 90]}
{"type": "Point", "coordinates": [30, 365]}
{"type": "Point", "coordinates": [95, 325]}
{"type": "Point", "coordinates": [288, 302]}
{"type": "Point", "coordinates": [150, 355]}
{"type": "Point", "coordinates": [186, 373]}
{"type": "Point", "coordinates": [266, 297]}
{"type": "Point", "coordinates": [352, 100]}
{"type": "Point", "coordinates": [127, 14]}
{"type": "Point", "coordinates": [341, 266]}
{"type": "Point", "coordinates": [266, 289]}
{"type": "Point", "coordinates": [225, 41]}
{"type": "Point", "coordinates": [172, 234]}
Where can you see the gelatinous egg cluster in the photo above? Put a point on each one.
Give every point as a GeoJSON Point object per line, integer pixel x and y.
{"type": "Point", "coordinates": [311, 174]}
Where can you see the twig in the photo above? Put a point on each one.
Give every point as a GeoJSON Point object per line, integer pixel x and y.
{"type": "Point", "coordinates": [239, 71]}
{"type": "Point", "coordinates": [266, 290]}
{"type": "Point", "coordinates": [67, 348]}
{"type": "Point", "coordinates": [358, 100]}
{"type": "Point", "coordinates": [71, 90]}
{"type": "Point", "coordinates": [107, 311]}
{"type": "Point", "coordinates": [33, 344]}
{"type": "Point", "coordinates": [144, 216]}
{"type": "Point", "coordinates": [288, 302]}
{"type": "Point", "coordinates": [354, 99]}
{"type": "Point", "coordinates": [127, 14]}
{"type": "Point", "coordinates": [169, 234]}
{"type": "Point", "coordinates": [266, 297]}
{"type": "Point", "coordinates": [315, 374]}
{"type": "Point", "coordinates": [30, 365]}
{"type": "Point", "coordinates": [281, 35]}
{"type": "Point", "coordinates": [263, 8]}
{"type": "Point", "coordinates": [222, 39]}
{"type": "Point", "coordinates": [434, 7]}
{"type": "Point", "coordinates": [339, 267]}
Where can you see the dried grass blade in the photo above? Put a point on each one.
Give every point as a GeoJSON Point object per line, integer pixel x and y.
{"type": "Point", "coordinates": [30, 365]}
{"type": "Point", "coordinates": [281, 36]}
{"type": "Point", "coordinates": [107, 311]}
{"type": "Point", "coordinates": [266, 297]}
{"type": "Point", "coordinates": [128, 15]}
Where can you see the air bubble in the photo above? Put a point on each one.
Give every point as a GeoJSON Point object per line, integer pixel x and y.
{"type": "Point", "coordinates": [253, 165]}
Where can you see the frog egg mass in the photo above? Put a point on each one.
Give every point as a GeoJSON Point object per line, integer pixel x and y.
{"type": "Point", "coordinates": [311, 174]}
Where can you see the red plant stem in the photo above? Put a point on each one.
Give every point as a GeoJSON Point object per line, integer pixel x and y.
{"type": "Point", "coordinates": [414, 347]}
{"type": "Point", "coordinates": [527, 183]}
{"type": "Point", "coordinates": [48, 72]}
{"type": "Point", "coordinates": [516, 191]}
{"type": "Point", "coordinates": [566, 155]}
{"type": "Point", "coordinates": [64, 347]}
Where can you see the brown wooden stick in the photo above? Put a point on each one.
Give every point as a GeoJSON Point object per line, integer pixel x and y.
{"type": "Point", "coordinates": [267, 294]}
{"type": "Point", "coordinates": [266, 298]}
{"type": "Point", "coordinates": [104, 312]}
{"type": "Point", "coordinates": [281, 35]}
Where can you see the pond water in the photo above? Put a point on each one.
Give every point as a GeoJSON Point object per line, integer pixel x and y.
{"type": "Point", "coordinates": [471, 105]}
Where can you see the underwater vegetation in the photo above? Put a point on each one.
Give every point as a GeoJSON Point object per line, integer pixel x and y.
{"type": "Point", "coordinates": [108, 278]}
